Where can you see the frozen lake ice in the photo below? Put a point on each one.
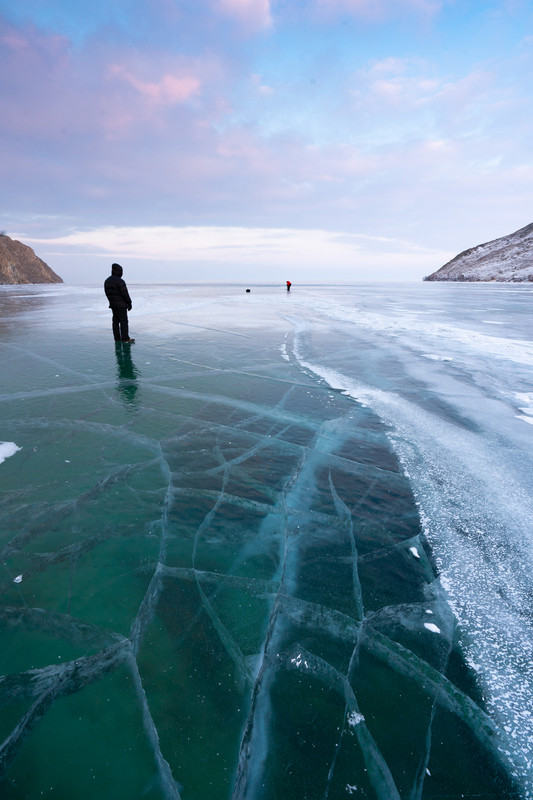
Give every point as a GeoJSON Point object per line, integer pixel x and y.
{"type": "Point", "coordinates": [278, 549]}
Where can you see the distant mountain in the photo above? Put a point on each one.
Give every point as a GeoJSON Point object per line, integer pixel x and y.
{"type": "Point", "coordinates": [507, 259]}
{"type": "Point", "coordinates": [19, 264]}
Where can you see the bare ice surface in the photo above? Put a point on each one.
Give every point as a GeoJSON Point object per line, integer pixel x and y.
{"type": "Point", "coordinates": [278, 549]}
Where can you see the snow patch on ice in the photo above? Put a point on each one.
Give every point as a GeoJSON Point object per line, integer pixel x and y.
{"type": "Point", "coordinates": [283, 349]}
{"type": "Point", "coordinates": [8, 449]}
{"type": "Point", "coordinates": [354, 718]}
{"type": "Point", "coordinates": [439, 334]}
{"type": "Point", "coordinates": [299, 660]}
{"type": "Point", "coordinates": [415, 552]}
{"type": "Point", "coordinates": [447, 469]}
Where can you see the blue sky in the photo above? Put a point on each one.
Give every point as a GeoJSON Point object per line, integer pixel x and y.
{"type": "Point", "coordinates": [242, 140]}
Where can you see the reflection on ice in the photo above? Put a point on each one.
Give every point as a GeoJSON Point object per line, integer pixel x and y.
{"type": "Point", "coordinates": [127, 374]}
{"type": "Point", "coordinates": [275, 551]}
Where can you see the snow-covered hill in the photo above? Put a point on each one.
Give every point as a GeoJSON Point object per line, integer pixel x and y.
{"type": "Point", "coordinates": [507, 259]}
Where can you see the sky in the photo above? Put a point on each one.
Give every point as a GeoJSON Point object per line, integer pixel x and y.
{"type": "Point", "coordinates": [263, 140]}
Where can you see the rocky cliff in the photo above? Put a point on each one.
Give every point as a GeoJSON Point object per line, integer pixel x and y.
{"type": "Point", "coordinates": [507, 259]}
{"type": "Point", "coordinates": [19, 264]}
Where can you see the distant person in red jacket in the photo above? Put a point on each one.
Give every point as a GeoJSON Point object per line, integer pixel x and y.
{"type": "Point", "coordinates": [288, 286]}
{"type": "Point", "coordinates": [120, 303]}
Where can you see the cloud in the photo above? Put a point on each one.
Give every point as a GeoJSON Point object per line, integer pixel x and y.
{"type": "Point", "coordinates": [259, 86]}
{"type": "Point", "coordinates": [78, 99]}
{"type": "Point", "coordinates": [402, 83]}
{"type": "Point", "coordinates": [232, 251]}
{"type": "Point", "coordinates": [379, 10]}
{"type": "Point", "coordinates": [188, 122]}
{"type": "Point", "coordinates": [410, 100]}
{"type": "Point", "coordinates": [250, 14]}
{"type": "Point", "coordinates": [168, 90]}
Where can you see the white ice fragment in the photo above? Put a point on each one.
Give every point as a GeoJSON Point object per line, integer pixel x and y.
{"type": "Point", "coordinates": [350, 789]}
{"type": "Point", "coordinates": [18, 579]}
{"type": "Point", "coordinates": [354, 718]}
{"type": "Point", "coordinates": [298, 661]}
{"type": "Point", "coordinates": [429, 611]}
{"type": "Point", "coordinates": [431, 627]}
{"type": "Point", "coordinates": [8, 449]}
{"type": "Point", "coordinates": [428, 772]}
{"type": "Point", "coordinates": [67, 461]}
{"type": "Point", "coordinates": [415, 552]}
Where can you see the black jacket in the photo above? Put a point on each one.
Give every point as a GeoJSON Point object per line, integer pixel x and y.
{"type": "Point", "coordinates": [116, 289]}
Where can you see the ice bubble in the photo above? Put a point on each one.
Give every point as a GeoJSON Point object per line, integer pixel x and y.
{"type": "Point", "coordinates": [18, 579]}
{"type": "Point", "coordinates": [431, 627]}
{"type": "Point", "coordinates": [354, 718]}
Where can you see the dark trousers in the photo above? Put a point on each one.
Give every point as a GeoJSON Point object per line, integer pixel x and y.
{"type": "Point", "coordinates": [120, 324]}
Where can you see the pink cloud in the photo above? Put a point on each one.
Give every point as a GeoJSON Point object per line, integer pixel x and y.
{"type": "Point", "coordinates": [397, 85]}
{"type": "Point", "coordinates": [170, 89]}
{"type": "Point", "coordinates": [260, 87]}
{"type": "Point", "coordinates": [251, 14]}
{"type": "Point", "coordinates": [80, 98]}
{"type": "Point", "coordinates": [14, 41]}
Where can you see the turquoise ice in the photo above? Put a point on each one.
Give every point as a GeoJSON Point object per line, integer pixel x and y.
{"type": "Point", "coordinates": [278, 548]}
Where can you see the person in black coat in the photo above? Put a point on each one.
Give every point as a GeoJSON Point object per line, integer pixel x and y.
{"type": "Point", "coordinates": [119, 303]}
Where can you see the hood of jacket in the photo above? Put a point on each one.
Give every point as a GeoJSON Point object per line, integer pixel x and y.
{"type": "Point", "coordinates": [117, 270]}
